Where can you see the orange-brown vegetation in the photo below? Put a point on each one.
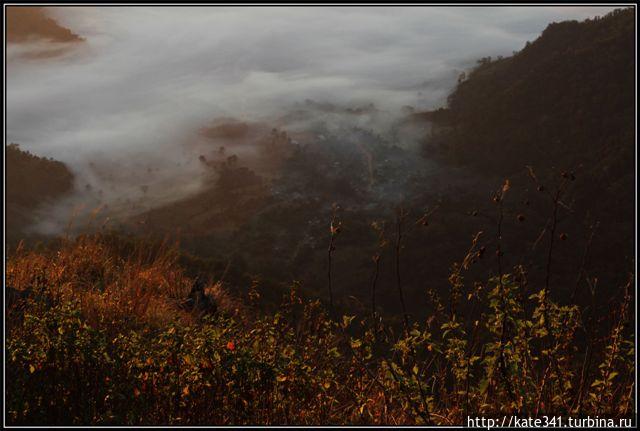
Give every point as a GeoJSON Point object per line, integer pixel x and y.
{"type": "Point", "coordinates": [99, 338]}
{"type": "Point", "coordinates": [25, 23]}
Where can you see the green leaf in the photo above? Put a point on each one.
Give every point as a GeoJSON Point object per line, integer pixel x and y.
{"type": "Point", "coordinates": [484, 384]}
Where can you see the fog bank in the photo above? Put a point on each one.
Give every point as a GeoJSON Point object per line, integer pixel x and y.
{"type": "Point", "coordinates": [133, 97]}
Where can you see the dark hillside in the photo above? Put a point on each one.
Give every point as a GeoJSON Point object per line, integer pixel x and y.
{"type": "Point", "coordinates": [564, 103]}
{"type": "Point", "coordinates": [567, 98]}
{"type": "Point", "coordinates": [30, 182]}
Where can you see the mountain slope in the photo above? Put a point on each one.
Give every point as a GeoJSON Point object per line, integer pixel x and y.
{"type": "Point", "coordinates": [564, 105]}
{"type": "Point", "coordinates": [565, 99]}
{"type": "Point", "coordinates": [30, 182]}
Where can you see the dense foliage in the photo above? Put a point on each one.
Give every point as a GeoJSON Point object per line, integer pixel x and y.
{"type": "Point", "coordinates": [101, 339]}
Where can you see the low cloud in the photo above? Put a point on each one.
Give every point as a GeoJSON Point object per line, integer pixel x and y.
{"type": "Point", "coordinates": [146, 79]}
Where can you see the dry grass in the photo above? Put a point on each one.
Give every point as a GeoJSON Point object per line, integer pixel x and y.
{"type": "Point", "coordinates": [145, 286]}
{"type": "Point", "coordinates": [112, 346]}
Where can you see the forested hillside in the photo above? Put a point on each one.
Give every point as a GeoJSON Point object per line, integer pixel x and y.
{"type": "Point", "coordinates": [565, 99]}
{"type": "Point", "coordinates": [563, 105]}
{"type": "Point", "coordinates": [31, 181]}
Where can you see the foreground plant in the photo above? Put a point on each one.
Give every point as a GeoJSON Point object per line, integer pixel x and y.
{"type": "Point", "coordinates": [101, 340]}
